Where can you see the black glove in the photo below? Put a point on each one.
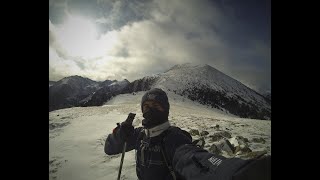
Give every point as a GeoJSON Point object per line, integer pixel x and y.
{"type": "Point", "coordinates": [126, 130]}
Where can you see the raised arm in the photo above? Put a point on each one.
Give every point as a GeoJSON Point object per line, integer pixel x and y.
{"type": "Point", "coordinates": [115, 140]}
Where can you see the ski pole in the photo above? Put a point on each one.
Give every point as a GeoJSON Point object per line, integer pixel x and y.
{"type": "Point", "coordinates": [122, 157]}
{"type": "Point", "coordinates": [128, 120]}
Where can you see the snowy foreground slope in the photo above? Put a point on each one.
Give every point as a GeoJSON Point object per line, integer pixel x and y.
{"type": "Point", "coordinates": [77, 135]}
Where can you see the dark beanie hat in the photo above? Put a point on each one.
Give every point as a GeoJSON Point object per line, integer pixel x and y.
{"type": "Point", "coordinates": [158, 95]}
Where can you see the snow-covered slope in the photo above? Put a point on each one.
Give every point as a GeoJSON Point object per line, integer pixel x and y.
{"type": "Point", "coordinates": [207, 85]}
{"type": "Point", "coordinates": [188, 75]}
{"type": "Point", "coordinates": [77, 135]}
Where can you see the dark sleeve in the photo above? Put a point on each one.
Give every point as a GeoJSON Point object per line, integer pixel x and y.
{"type": "Point", "coordinates": [194, 163]}
{"type": "Point", "coordinates": [174, 140]}
{"type": "Point", "coordinates": [114, 143]}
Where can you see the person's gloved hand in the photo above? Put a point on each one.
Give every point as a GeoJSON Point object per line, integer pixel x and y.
{"type": "Point", "coordinates": [126, 130]}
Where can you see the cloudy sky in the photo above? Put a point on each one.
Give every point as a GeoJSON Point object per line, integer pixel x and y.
{"type": "Point", "coordinates": [118, 39]}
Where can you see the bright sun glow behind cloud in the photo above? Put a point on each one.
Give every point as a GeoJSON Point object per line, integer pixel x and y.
{"type": "Point", "coordinates": [79, 38]}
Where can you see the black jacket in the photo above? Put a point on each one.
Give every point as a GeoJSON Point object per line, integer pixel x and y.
{"type": "Point", "coordinates": [150, 163]}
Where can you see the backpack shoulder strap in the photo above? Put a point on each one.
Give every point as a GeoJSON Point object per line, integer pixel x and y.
{"type": "Point", "coordinates": [141, 134]}
{"type": "Point", "coordinates": [164, 153]}
{"type": "Point", "coordinates": [169, 166]}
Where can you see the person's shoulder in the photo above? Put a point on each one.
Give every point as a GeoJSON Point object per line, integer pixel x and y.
{"type": "Point", "coordinates": [176, 131]}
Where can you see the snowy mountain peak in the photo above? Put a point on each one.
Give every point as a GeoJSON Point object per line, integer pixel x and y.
{"type": "Point", "coordinates": [209, 86]}
{"type": "Point", "coordinates": [203, 83]}
{"type": "Point", "coordinates": [188, 65]}
{"type": "Point", "coordinates": [191, 74]}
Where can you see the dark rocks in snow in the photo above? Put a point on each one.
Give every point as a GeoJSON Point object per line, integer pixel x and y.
{"type": "Point", "coordinates": [225, 145]}
{"type": "Point", "coordinates": [194, 132]}
{"type": "Point", "coordinates": [235, 146]}
{"type": "Point", "coordinates": [219, 135]}
{"type": "Point", "coordinates": [225, 134]}
{"type": "Point", "coordinates": [199, 142]}
{"type": "Point", "coordinates": [240, 145]}
{"type": "Point", "coordinates": [215, 137]}
{"type": "Point", "coordinates": [252, 155]}
{"type": "Point", "coordinates": [214, 149]}
{"type": "Point", "coordinates": [245, 139]}
{"type": "Point", "coordinates": [239, 140]}
{"type": "Point", "coordinates": [258, 140]}
{"type": "Point", "coordinates": [204, 133]}
{"type": "Point", "coordinates": [242, 150]}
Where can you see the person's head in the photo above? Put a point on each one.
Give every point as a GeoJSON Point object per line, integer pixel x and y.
{"type": "Point", "coordinates": [155, 108]}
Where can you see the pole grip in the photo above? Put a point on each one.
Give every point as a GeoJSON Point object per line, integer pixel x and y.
{"type": "Point", "coordinates": [130, 118]}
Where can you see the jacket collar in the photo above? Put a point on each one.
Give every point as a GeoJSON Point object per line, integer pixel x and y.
{"type": "Point", "coordinates": [157, 130]}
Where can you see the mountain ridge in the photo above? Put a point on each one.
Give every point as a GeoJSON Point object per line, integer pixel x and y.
{"type": "Point", "coordinates": [198, 82]}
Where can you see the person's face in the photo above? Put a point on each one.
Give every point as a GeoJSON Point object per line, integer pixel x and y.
{"type": "Point", "coordinates": [151, 104]}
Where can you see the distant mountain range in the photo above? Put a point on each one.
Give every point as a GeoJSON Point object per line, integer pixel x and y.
{"type": "Point", "coordinates": [78, 91]}
{"type": "Point", "coordinates": [201, 83]}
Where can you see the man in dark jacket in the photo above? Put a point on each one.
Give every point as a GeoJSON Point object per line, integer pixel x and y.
{"type": "Point", "coordinates": [165, 152]}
